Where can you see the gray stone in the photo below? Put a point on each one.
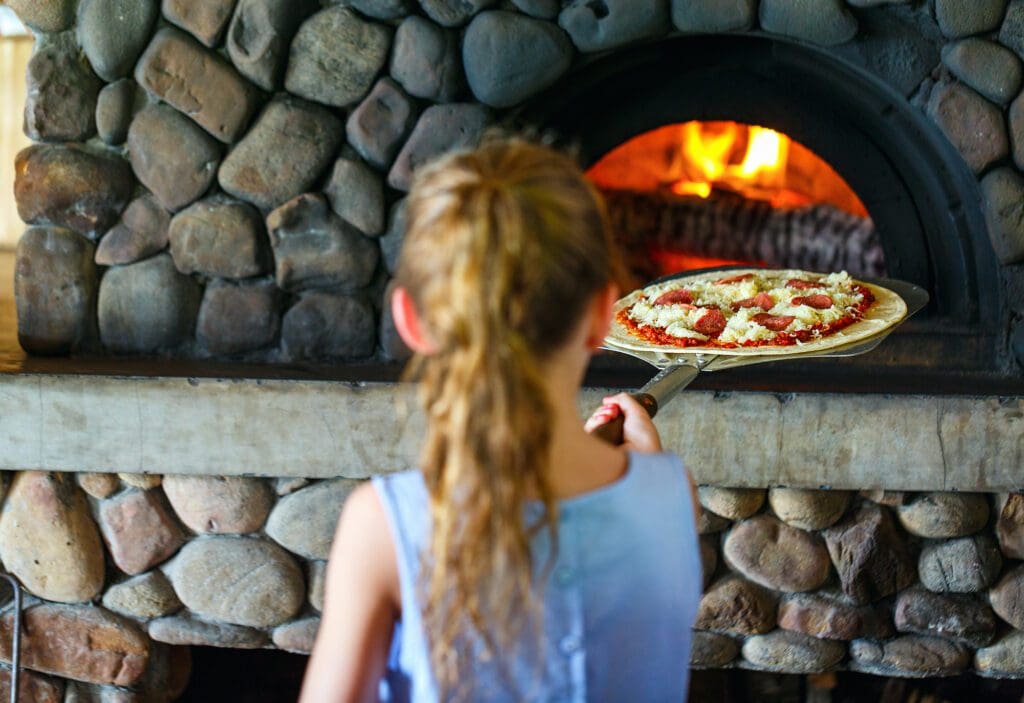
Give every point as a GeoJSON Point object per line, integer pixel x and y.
{"type": "Point", "coordinates": [808, 509]}
{"type": "Point", "coordinates": [146, 596]}
{"type": "Point", "coordinates": [172, 157]}
{"type": "Point", "coordinates": [141, 480]}
{"type": "Point", "coordinates": [98, 485]}
{"type": "Point", "coordinates": [328, 325]}
{"type": "Point", "coordinates": [962, 619]}
{"type": "Point", "coordinates": [390, 341]}
{"type": "Point", "coordinates": [317, 574]}
{"type": "Point", "coordinates": [391, 242]}
{"type": "Point", "coordinates": [356, 194]}
{"type": "Point", "coordinates": [708, 523]}
{"type": "Point", "coordinates": [714, 15]}
{"type": "Point", "coordinates": [241, 581]}
{"type": "Point", "coordinates": [284, 153]}
{"type": "Point", "coordinates": [141, 233]}
{"type": "Point", "coordinates": [48, 539]}
{"type": "Point", "coordinates": [911, 656]}
{"type": "Point", "coordinates": [509, 57]}
{"type": "Point", "coordinates": [541, 9]}
{"type": "Point", "coordinates": [146, 306]}
{"type": "Point", "coordinates": [220, 504]}
{"type": "Point", "coordinates": [55, 290]}
{"type": "Point", "coordinates": [204, 20]}
{"type": "Point", "coordinates": [974, 125]}
{"type": "Point", "coordinates": [871, 556]}
{"type": "Point", "coordinates": [283, 485]}
{"type": "Point", "coordinates": [1003, 193]}
{"type": "Point", "coordinates": [1011, 33]}
{"type": "Point", "coordinates": [313, 247]}
{"type": "Point", "coordinates": [198, 82]}
{"type": "Point", "coordinates": [734, 605]}
{"type": "Point", "coordinates": [441, 128]}
{"type": "Point", "coordinates": [114, 32]}
{"type": "Point", "coordinates": [61, 90]}
{"type": "Point", "coordinates": [773, 554]}
{"type": "Point", "coordinates": [259, 35]}
{"type": "Point", "coordinates": [612, 23]}
{"type": "Point", "coordinates": [992, 70]}
{"type": "Point", "coordinates": [382, 9]}
{"type": "Point", "coordinates": [238, 317]}
{"type": "Point", "coordinates": [70, 186]}
{"type": "Point", "coordinates": [959, 19]}
{"type": "Point", "coordinates": [1010, 525]}
{"type": "Point", "coordinates": [114, 111]}
{"type": "Point", "coordinates": [891, 498]}
{"type": "Point", "coordinates": [304, 522]}
{"type": "Point", "coordinates": [828, 614]}
{"type": "Point", "coordinates": [426, 60]}
{"type": "Point", "coordinates": [376, 128]}
{"type": "Point", "coordinates": [1007, 597]}
{"type": "Point", "coordinates": [792, 653]}
{"type": "Point", "coordinates": [45, 15]}
{"type": "Point", "coordinates": [710, 650]}
{"type": "Point", "coordinates": [185, 631]}
{"type": "Point", "coordinates": [297, 636]}
{"type": "Point", "coordinates": [336, 56]}
{"type": "Point", "coordinates": [731, 503]}
{"type": "Point", "coordinates": [944, 514]}
{"type": "Point", "coordinates": [965, 565]}
{"type": "Point", "coordinates": [453, 13]}
{"type": "Point", "coordinates": [825, 22]}
{"type": "Point", "coordinates": [219, 236]}
{"type": "Point", "coordinates": [1004, 659]}
{"type": "Point", "coordinates": [138, 530]}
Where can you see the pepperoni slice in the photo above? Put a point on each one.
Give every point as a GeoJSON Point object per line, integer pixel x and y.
{"type": "Point", "coordinates": [674, 296]}
{"type": "Point", "coordinates": [801, 284]}
{"type": "Point", "coordinates": [761, 300]}
{"type": "Point", "coordinates": [819, 301]}
{"type": "Point", "coordinates": [734, 279]}
{"type": "Point", "coordinates": [711, 324]}
{"type": "Point", "coordinates": [776, 323]}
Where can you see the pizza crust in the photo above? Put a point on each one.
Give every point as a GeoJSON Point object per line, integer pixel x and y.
{"type": "Point", "coordinates": [887, 310]}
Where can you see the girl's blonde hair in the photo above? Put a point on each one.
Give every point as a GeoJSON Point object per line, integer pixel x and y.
{"type": "Point", "coordinates": [506, 246]}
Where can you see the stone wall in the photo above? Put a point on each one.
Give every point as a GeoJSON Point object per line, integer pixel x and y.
{"type": "Point", "coordinates": [225, 178]}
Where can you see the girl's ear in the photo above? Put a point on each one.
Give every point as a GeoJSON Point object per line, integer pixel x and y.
{"type": "Point", "coordinates": [407, 322]}
{"type": "Point", "coordinates": [601, 315]}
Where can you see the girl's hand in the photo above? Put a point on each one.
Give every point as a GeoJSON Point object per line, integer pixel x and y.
{"type": "Point", "coordinates": [638, 431]}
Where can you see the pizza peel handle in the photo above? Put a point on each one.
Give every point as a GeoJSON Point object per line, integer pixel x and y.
{"type": "Point", "coordinates": [658, 391]}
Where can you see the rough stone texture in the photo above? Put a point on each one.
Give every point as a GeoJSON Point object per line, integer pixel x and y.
{"type": "Point", "coordinates": [313, 247]}
{"type": "Point", "coordinates": [1004, 659]}
{"type": "Point", "coordinates": [611, 23]}
{"type": "Point", "coordinates": [392, 344]}
{"type": "Point", "coordinates": [901, 48]}
{"type": "Point", "coordinates": [138, 480]}
{"type": "Point", "coordinates": [965, 565]}
{"type": "Point", "coordinates": [710, 650]}
{"type": "Point", "coordinates": [220, 504]}
{"type": "Point", "coordinates": [973, 125]}
{"type": "Point", "coordinates": [912, 656]}
{"type": "Point", "coordinates": [148, 595]}
{"type": "Point", "coordinates": [775, 555]}
{"type": "Point", "coordinates": [452, 13]}
{"type": "Point", "coordinates": [509, 57]}
{"type": "Point", "coordinates": [736, 606]}
{"type": "Point", "coordinates": [219, 236]}
{"type": "Point", "coordinates": [61, 93]}
{"type": "Point", "coordinates": [146, 306]}
{"type": "Point", "coordinates": [317, 573]}
{"type": "Point", "coordinates": [336, 56]}
{"type": "Point", "coordinates": [54, 289]}
{"type": "Point", "coordinates": [991, 69]}
{"type": "Point", "coordinates": [201, 84]}
{"type": "Point", "coordinates": [825, 22]}
{"type": "Point", "coordinates": [32, 687]}
{"type": "Point", "coordinates": [98, 485]}
{"type": "Point", "coordinates": [204, 20]}
{"type": "Point", "coordinates": [114, 32]}
{"type": "Point", "coordinates": [284, 153]}
{"type": "Point", "coordinates": [808, 509]}
{"type": "Point", "coordinates": [542, 9]}
{"type": "Point", "coordinates": [171, 156]}
{"type": "Point", "coordinates": [382, 9]}
{"type": "Point", "coordinates": [45, 15]}
{"type": "Point", "coordinates": [708, 523]}
{"type": "Point", "coordinates": [71, 187]}
{"type": "Point", "coordinates": [1003, 193]}
{"type": "Point", "coordinates": [304, 522]}
{"type": "Point", "coordinates": [238, 317]}
{"type": "Point", "coordinates": [440, 128]}
{"type": "Point", "coordinates": [48, 539]}
{"type": "Point", "coordinates": [356, 194]}
{"type": "Point", "coordinates": [959, 19]}
{"type": "Point", "coordinates": [259, 35]}
{"type": "Point", "coordinates": [944, 514]}
{"type": "Point", "coordinates": [79, 642]}
{"type": "Point", "coordinates": [708, 557]}
{"type": "Point", "coordinates": [141, 233]}
{"type": "Point", "coordinates": [1010, 524]}
{"type": "Point", "coordinates": [829, 615]}
{"type": "Point", "coordinates": [376, 128]}
{"type": "Point", "coordinates": [891, 498]}
{"type": "Point", "coordinates": [1011, 33]}
{"type": "Point", "coordinates": [1007, 597]}
{"type": "Point", "coordinates": [872, 558]}
{"type": "Point", "coordinates": [138, 531]}
{"type": "Point", "coordinates": [297, 636]}
{"type": "Point", "coordinates": [792, 652]}
{"type": "Point", "coordinates": [426, 60]}
{"type": "Point", "coordinates": [328, 325]}
{"type": "Point", "coordinates": [242, 581]}
{"type": "Point", "coordinates": [959, 618]}
{"type": "Point", "coordinates": [179, 630]}
{"type": "Point", "coordinates": [283, 485]}
{"type": "Point", "coordinates": [712, 17]}
{"type": "Point", "coordinates": [114, 111]}
{"type": "Point", "coordinates": [731, 503]}
{"type": "Point", "coordinates": [391, 242]}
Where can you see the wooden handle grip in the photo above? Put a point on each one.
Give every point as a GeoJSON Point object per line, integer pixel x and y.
{"type": "Point", "coordinates": [611, 431]}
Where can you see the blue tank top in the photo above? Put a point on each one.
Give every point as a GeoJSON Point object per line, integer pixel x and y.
{"type": "Point", "coordinates": [618, 606]}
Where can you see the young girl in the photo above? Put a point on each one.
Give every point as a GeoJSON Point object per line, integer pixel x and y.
{"type": "Point", "coordinates": [525, 559]}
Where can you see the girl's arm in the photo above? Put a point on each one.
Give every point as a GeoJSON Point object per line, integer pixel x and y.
{"type": "Point", "coordinates": [361, 604]}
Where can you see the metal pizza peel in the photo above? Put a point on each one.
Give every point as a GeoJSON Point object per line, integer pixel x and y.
{"type": "Point", "coordinates": [677, 369]}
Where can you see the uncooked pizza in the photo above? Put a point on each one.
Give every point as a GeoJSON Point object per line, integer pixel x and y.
{"type": "Point", "coordinates": [751, 311]}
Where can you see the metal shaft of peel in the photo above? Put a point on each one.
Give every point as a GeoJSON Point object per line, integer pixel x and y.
{"type": "Point", "coordinates": [668, 382]}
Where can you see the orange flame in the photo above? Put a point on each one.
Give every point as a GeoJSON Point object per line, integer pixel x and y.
{"type": "Point", "coordinates": [707, 158]}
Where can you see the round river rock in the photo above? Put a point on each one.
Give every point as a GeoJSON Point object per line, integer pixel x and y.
{"type": "Point", "coordinates": [773, 554]}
